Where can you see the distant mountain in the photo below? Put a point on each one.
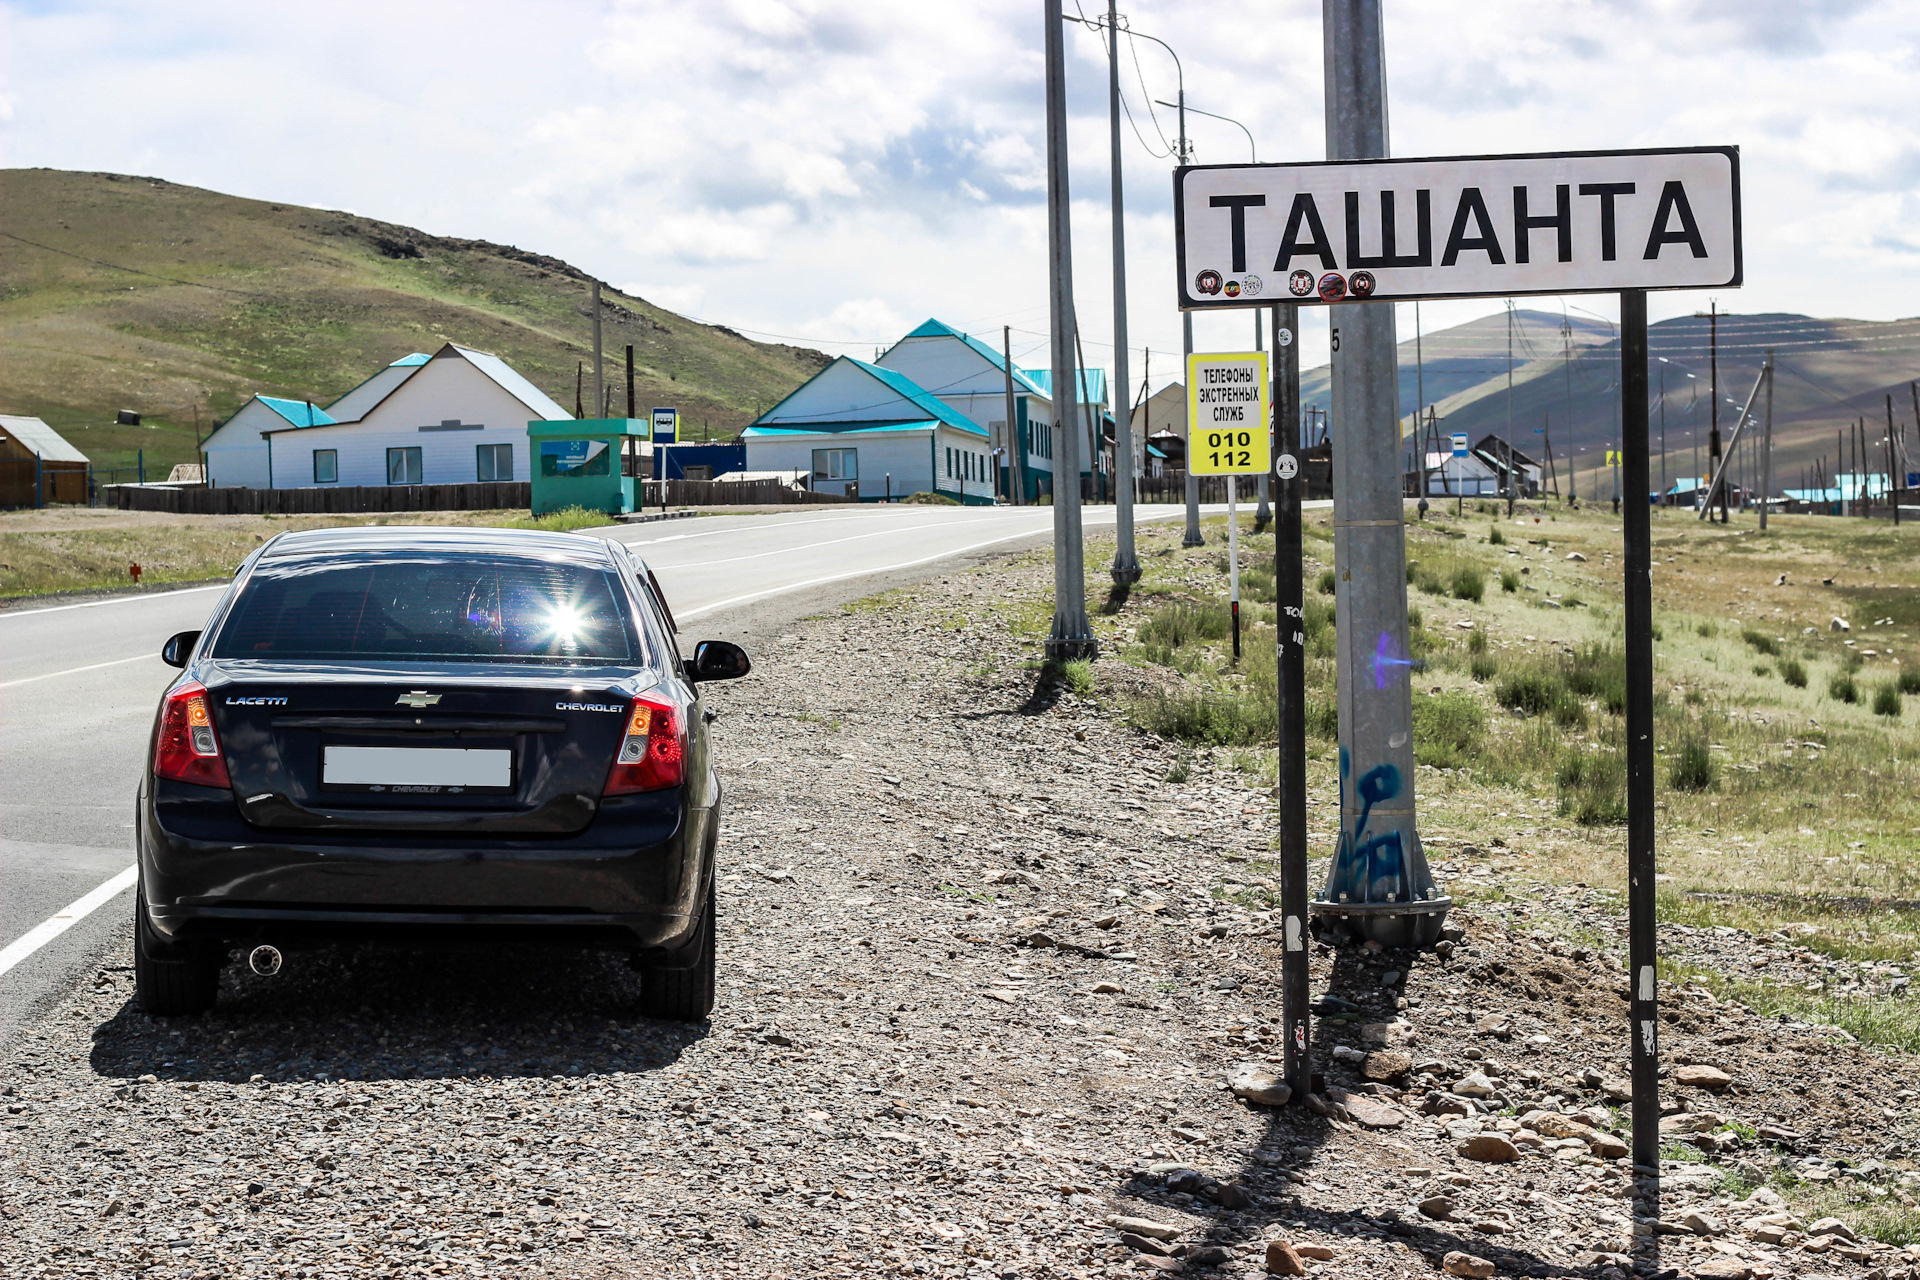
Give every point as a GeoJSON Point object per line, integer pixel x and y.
{"type": "Point", "coordinates": [119, 292]}
{"type": "Point", "coordinates": [1566, 390]}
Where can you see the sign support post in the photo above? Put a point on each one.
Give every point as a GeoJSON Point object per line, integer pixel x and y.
{"type": "Point", "coordinates": [1638, 536]}
{"type": "Point", "coordinates": [1291, 788]}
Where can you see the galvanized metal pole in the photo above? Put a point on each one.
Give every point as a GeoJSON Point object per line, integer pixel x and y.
{"type": "Point", "coordinates": [1016, 448]}
{"type": "Point", "coordinates": [1892, 489]}
{"type": "Point", "coordinates": [1072, 635]}
{"type": "Point", "coordinates": [1379, 878]}
{"type": "Point", "coordinates": [599, 380]}
{"type": "Point", "coordinates": [1291, 784]}
{"type": "Point", "coordinates": [1766, 448]}
{"type": "Point", "coordinates": [1126, 563]}
{"type": "Point", "coordinates": [1638, 533]}
{"type": "Point", "coordinates": [1194, 537]}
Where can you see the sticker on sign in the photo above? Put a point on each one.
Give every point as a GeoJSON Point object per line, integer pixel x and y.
{"type": "Point", "coordinates": [1227, 412]}
{"type": "Point", "coordinates": [1459, 227]}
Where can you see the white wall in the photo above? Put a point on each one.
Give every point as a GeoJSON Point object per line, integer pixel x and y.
{"type": "Point", "coordinates": [236, 455]}
{"type": "Point", "coordinates": [982, 486]}
{"type": "Point", "coordinates": [445, 387]}
{"type": "Point", "coordinates": [904, 453]}
{"type": "Point", "coordinates": [843, 392]}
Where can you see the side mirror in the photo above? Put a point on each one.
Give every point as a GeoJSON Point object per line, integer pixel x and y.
{"type": "Point", "coordinates": [718, 660]}
{"type": "Point", "coordinates": [179, 648]}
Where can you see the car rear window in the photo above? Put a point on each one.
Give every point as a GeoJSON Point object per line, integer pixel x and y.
{"type": "Point", "coordinates": [429, 607]}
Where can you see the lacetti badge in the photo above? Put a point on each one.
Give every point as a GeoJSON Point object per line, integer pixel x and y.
{"type": "Point", "coordinates": [417, 699]}
{"type": "Point", "coordinates": [256, 702]}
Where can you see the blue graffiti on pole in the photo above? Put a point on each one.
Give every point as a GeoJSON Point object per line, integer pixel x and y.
{"type": "Point", "coordinates": [1389, 660]}
{"type": "Point", "coordinates": [1369, 868]}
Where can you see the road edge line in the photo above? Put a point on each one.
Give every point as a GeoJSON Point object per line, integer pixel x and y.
{"type": "Point", "coordinates": [59, 922]}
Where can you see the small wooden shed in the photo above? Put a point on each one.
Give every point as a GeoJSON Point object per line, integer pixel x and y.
{"type": "Point", "coordinates": [37, 466]}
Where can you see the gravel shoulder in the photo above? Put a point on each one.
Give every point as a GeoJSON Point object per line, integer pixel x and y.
{"type": "Point", "coordinates": [985, 976]}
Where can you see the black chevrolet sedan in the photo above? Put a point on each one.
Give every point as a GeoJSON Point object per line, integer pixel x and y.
{"type": "Point", "coordinates": [426, 735]}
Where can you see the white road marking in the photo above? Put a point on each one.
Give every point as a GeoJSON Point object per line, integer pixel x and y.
{"type": "Point", "coordinates": [95, 666]}
{"type": "Point", "coordinates": [61, 921]}
{"type": "Point", "coordinates": [95, 604]}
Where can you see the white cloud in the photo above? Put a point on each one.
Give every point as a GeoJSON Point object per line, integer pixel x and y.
{"type": "Point", "coordinates": [839, 169]}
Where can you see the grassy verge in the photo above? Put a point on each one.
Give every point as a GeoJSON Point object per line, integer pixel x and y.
{"type": "Point", "coordinates": [1780, 804]}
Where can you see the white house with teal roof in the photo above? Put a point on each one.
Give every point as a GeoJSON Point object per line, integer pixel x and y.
{"type": "Point", "coordinates": [453, 417]}
{"type": "Point", "coordinates": [873, 432]}
{"type": "Point", "coordinates": [970, 376]}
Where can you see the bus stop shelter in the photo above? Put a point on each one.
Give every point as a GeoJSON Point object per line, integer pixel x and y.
{"type": "Point", "coordinates": [595, 463]}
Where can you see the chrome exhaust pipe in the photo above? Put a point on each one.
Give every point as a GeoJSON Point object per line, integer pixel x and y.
{"type": "Point", "coordinates": [265, 960]}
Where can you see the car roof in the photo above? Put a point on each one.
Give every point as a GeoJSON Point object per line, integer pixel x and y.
{"type": "Point", "coordinates": [439, 539]}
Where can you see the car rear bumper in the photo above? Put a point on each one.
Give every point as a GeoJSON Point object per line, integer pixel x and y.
{"type": "Point", "coordinates": [633, 880]}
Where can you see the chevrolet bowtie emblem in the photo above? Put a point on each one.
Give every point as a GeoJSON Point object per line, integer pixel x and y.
{"type": "Point", "coordinates": [417, 699]}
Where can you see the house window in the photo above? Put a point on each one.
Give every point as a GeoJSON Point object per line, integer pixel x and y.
{"type": "Point", "coordinates": [495, 461]}
{"type": "Point", "coordinates": [326, 466]}
{"type": "Point", "coordinates": [403, 465]}
{"type": "Point", "coordinates": [836, 464]}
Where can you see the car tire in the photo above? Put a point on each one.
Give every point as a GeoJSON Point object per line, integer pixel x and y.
{"type": "Point", "coordinates": [684, 995]}
{"type": "Point", "coordinates": [169, 982]}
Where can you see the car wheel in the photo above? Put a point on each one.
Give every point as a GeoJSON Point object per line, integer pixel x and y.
{"type": "Point", "coordinates": [169, 982]}
{"type": "Point", "coordinates": [684, 995]}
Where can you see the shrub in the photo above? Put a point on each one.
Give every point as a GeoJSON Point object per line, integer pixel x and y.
{"type": "Point", "coordinates": [1483, 667]}
{"type": "Point", "coordinates": [1176, 625]}
{"type": "Point", "coordinates": [1447, 729]}
{"type": "Point", "coordinates": [1761, 642]}
{"type": "Point", "coordinates": [1469, 584]}
{"type": "Point", "coordinates": [1794, 673]}
{"type": "Point", "coordinates": [1323, 719]}
{"type": "Point", "coordinates": [928, 498]}
{"type": "Point", "coordinates": [1530, 690]}
{"type": "Point", "coordinates": [1509, 581]}
{"type": "Point", "coordinates": [1495, 537]}
{"type": "Point", "coordinates": [1414, 618]}
{"type": "Point", "coordinates": [1326, 582]}
{"type": "Point", "coordinates": [1077, 676]}
{"type": "Point", "coordinates": [1569, 712]}
{"type": "Point", "coordinates": [1910, 681]}
{"type": "Point", "coordinates": [1706, 631]}
{"type": "Point", "coordinates": [1886, 699]}
{"type": "Point", "coordinates": [1593, 788]}
{"type": "Point", "coordinates": [1476, 641]}
{"type": "Point", "coordinates": [1692, 766]}
{"type": "Point", "coordinates": [1762, 670]}
{"type": "Point", "coordinates": [1842, 688]}
{"type": "Point", "coordinates": [1599, 671]}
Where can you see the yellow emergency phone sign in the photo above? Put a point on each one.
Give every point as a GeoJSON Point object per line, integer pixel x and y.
{"type": "Point", "coordinates": [1228, 414]}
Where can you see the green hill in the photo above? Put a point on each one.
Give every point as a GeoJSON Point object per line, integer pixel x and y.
{"type": "Point", "coordinates": [121, 292]}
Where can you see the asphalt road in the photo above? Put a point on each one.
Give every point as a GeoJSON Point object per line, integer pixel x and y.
{"type": "Point", "coordinates": [79, 682]}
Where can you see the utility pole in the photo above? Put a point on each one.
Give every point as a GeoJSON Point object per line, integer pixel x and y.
{"type": "Point", "coordinates": [1016, 451]}
{"type": "Point", "coordinates": [1072, 634]}
{"type": "Point", "coordinates": [1712, 316]}
{"type": "Point", "coordinates": [1573, 461]}
{"type": "Point", "coordinates": [599, 380]}
{"type": "Point", "coordinates": [1508, 478]}
{"type": "Point", "coordinates": [630, 410]}
{"type": "Point", "coordinates": [1377, 826]}
{"type": "Point", "coordinates": [1766, 448]}
{"type": "Point", "coordinates": [1126, 564]}
{"type": "Point", "coordinates": [1419, 401]}
{"type": "Point", "coordinates": [1663, 429]}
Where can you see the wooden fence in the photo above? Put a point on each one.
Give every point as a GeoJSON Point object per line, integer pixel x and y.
{"type": "Point", "coordinates": [486, 496]}
{"type": "Point", "coordinates": [505, 495]}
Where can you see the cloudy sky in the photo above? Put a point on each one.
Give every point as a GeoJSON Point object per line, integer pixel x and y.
{"type": "Point", "coordinates": [835, 171]}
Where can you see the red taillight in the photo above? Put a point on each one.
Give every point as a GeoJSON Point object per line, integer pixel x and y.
{"type": "Point", "coordinates": [653, 754]}
{"type": "Point", "coordinates": [186, 749]}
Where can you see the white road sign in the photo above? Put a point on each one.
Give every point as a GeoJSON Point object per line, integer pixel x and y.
{"type": "Point", "coordinates": [1460, 227]}
{"type": "Point", "coordinates": [1459, 444]}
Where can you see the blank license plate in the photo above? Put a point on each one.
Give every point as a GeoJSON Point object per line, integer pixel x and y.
{"type": "Point", "coordinates": [416, 767]}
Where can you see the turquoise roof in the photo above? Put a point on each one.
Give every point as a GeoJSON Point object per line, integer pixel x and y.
{"type": "Point", "coordinates": [412, 361]}
{"type": "Point", "coordinates": [906, 392]}
{"type": "Point", "coordinates": [1093, 383]}
{"type": "Point", "coordinates": [300, 413]}
{"type": "Point", "coordinates": [843, 428]}
{"type": "Point", "coordinates": [938, 329]}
